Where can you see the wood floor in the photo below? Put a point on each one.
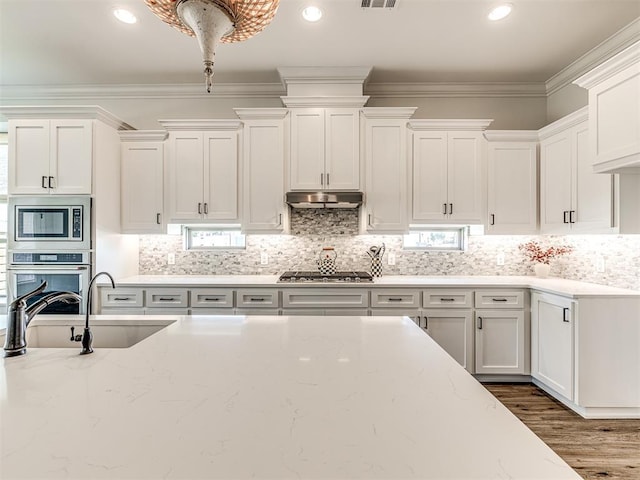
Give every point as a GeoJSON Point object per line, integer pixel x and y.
{"type": "Point", "coordinates": [596, 449]}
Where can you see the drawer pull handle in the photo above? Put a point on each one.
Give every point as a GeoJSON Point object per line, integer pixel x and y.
{"type": "Point", "coordinates": [395, 299]}
{"type": "Point", "coordinates": [499, 299]}
{"type": "Point", "coordinates": [493, 219]}
{"type": "Point", "coordinates": [211, 299]}
{"type": "Point", "coordinates": [51, 185]}
{"type": "Point", "coordinates": [444, 208]}
{"type": "Point", "coordinates": [447, 299]}
{"type": "Point", "coordinates": [121, 299]}
{"type": "Point", "coordinates": [166, 299]}
{"type": "Point", "coordinates": [44, 182]}
{"type": "Point", "coordinates": [257, 299]}
{"type": "Point", "coordinates": [565, 315]}
{"type": "Point", "coordinates": [479, 323]}
{"type": "Point", "coordinates": [158, 221]}
{"type": "Point", "coordinates": [426, 323]}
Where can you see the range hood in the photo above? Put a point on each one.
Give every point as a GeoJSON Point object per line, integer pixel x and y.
{"type": "Point", "coordinates": [324, 199]}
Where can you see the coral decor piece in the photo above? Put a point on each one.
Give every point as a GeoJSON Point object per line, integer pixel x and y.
{"type": "Point", "coordinates": [537, 254]}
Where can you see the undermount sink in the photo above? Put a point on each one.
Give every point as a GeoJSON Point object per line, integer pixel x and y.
{"type": "Point", "coordinates": [107, 333]}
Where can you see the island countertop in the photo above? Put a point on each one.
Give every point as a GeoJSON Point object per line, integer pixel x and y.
{"type": "Point", "coordinates": [262, 397]}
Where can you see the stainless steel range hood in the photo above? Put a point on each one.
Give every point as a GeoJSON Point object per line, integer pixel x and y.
{"type": "Point", "coordinates": [324, 199]}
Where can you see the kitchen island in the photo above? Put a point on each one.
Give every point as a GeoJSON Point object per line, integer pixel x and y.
{"type": "Point", "coordinates": [262, 397]}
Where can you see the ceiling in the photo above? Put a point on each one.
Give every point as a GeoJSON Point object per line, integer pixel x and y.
{"type": "Point", "coordinates": [79, 42]}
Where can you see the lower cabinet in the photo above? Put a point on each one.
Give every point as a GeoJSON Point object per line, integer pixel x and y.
{"type": "Point", "coordinates": [552, 346]}
{"type": "Point", "coordinates": [452, 329]}
{"type": "Point", "coordinates": [499, 342]}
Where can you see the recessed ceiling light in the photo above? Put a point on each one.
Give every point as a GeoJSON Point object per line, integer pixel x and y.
{"type": "Point", "coordinates": [312, 14]}
{"type": "Point", "coordinates": [500, 12]}
{"type": "Point", "coordinates": [125, 16]}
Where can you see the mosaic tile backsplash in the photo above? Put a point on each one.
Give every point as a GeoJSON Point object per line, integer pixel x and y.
{"type": "Point", "coordinates": [313, 229]}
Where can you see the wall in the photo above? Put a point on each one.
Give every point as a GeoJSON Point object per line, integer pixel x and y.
{"type": "Point", "coordinates": [564, 101]}
{"type": "Point", "coordinates": [313, 229]}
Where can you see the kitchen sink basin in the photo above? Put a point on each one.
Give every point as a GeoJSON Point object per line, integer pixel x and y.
{"type": "Point", "coordinates": [107, 333]}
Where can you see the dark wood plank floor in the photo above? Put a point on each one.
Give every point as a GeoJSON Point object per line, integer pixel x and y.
{"type": "Point", "coordinates": [596, 449]}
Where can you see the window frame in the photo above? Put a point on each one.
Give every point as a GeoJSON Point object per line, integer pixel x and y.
{"type": "Point", "coordinates": [188, 229]}
{"type": "Point", "coordinates": [461, 230]}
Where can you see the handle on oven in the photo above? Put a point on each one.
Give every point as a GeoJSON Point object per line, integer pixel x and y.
{"type": "Point", "coordinates": [42, 267]}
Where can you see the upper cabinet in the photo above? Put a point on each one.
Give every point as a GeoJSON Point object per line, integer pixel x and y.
{"type": "Point", "coordinates": [325, 153]}
{"type": "Point", "coordinates": [141, 177]}
{"type": "Point", "coordinates": [448, 171]}
{"type": "Point", "coordinates": [263, 207]}
{"type": "Point", "coordinates": [385, 158]}
{"type": "Point", "coordinates": [573, 199]}
{"type": "Point", "coordinates": [50, 156]}
{"type": "Point", "coordinates": [512, 181]}
{"type": "Point", "coordinates": [202, 170]}
{"type": "Point", "coordinates": [614, 112]}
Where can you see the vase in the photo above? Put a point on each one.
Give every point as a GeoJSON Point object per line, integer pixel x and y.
{"type": "Point", "coordinates": [542, 270]}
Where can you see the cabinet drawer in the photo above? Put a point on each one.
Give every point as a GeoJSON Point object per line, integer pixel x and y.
{"type": "Point", "coordinates": [167, 297]}
{"type": "Point", "coordinates": [332, 298]}
{"type": "Point", "coordinates": [447, 298]}
{"type": "Point", "coordinates": [211, 298]}
{"type": "Point", "coordinates": [120, 297]}
{"type": "Point", "coordinates": [262, 298]}
{"type": "Point", "coordinates": [499, 299]}
{"type": "Point", "coordinates": [395, 298]}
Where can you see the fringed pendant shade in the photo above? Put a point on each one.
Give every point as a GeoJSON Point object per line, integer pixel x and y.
{"type": "Point", "coordinates": [215, 21]}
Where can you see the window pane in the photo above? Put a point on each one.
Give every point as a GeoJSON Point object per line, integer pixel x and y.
{"type": "Point", "coordinates": [435, 239]}
{"type": "Point", "coordinates": [214, 238]}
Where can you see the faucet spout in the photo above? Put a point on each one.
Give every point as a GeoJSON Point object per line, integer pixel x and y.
{"type": "Point", "coordinates": [87, 336]}
{"type": "Point", "coordinates": [32, 310]}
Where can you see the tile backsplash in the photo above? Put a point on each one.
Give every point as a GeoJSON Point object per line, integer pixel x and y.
{"type": "Point", "coordinates": [313, 229]}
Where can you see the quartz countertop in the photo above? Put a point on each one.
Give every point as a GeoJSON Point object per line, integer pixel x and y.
{"type": "Point", "coordinates": [570, 288]}
{"type": "Point", "coordinates": [262, 397]}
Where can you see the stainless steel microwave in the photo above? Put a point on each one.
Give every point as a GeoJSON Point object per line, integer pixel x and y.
{"type": "Point", "coordinates": [49, 223]}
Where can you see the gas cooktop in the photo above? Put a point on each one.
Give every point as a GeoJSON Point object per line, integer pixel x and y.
{"type": "Point", "coordinates": [317, 277]}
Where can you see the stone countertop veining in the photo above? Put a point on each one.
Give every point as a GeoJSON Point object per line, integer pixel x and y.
{"type": "Point", "coordinates": [571, 288]}
{"type": "Point", "coordinates": [262, 397]}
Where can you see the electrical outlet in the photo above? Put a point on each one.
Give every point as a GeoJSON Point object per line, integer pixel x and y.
{"type": "Point", "coordinates": [391, 258]}
{"type": "Point", "coordinates": [171, 259]}
{"type": "Point", "coordinates": [500, 259]}
{"type": "Point", "coordinates": [264, 258]}
{"type": "Point", "coordinates": [600, 264]}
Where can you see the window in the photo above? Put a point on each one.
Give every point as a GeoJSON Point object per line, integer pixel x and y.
{"type": "Point", "coordinates": [213, 238]}
{"type": "Point", "coordinates": [435, 238]}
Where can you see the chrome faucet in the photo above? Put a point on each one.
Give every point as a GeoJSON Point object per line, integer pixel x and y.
{"type": "Point", "coordinates": [20, 315]}
{"type": "Point", "coordinates": [87, 336]}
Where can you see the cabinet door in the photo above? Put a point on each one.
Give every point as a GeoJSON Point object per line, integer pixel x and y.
{"type": "Point", "coordinates": [142, 189]}
{"type": "Point", "coordinates": [592, 192]}
{"type": "Point", "coordinates": [185, 176]}
{"type": "Point", "coordinates": [465, 177]}
{"type": "Point", "coordinates": [512, 194]}
{"type": "Point", "coordinates": [263, 193]}
{"type": "Point", "coordinates": [307, 149]}
{"type": "Point", "coordinates": [220, 175]}
{"type": "Point", "coordinates": [70, 162]}
{"type": "Point", "coordinates": [342, 149]}
{"type": "Point", "coordinates": [386, 181]}
{"type": "Point", "coordinates": [555, 183]}
{"type": "Point", "coordinates": [430, 176]}
{"type": "Point", "coordinates": [453, 331]}
{"type": "Point", "coordinates": [552, 342]}
{"type": "Point", "coordinates": [28, 157]}
{"type": "Point", "coordinates": [500, 342]}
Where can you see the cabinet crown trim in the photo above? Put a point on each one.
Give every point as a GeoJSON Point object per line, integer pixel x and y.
{"type": "Point", "coordinates": [624, 59]}
{"type": "Point", "coordinates": [450, 124]}
{"type": "Point", "coordinates": [72, 112]}
{"type": "Point", "coordinates": [143, 135]}
{"type": "Point", "coordinates": [562, 124]}
{"type": "Point", "coordinates": [261, 113]}
{"type": "Point", "coordinates": [201, 124]}
{"type": "Point", "coordinates": [511, 135]}
{"type": "Point", "coordinates": [389, 112]}
{"type": "Point", "coordinates": [322, 101]}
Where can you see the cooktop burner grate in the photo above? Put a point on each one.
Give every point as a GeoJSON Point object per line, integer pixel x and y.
{"type": "Point", "coordinates": [315, 276]}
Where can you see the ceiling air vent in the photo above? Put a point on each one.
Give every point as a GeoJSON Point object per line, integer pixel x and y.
{"type": "Point", "coordinates": [379, 3]}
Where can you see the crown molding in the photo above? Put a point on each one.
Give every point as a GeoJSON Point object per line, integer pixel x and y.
{"type": "Point", "coordinates": [456, 90]}
{"type": "Point", "coordinates": [324, 101]}
{"type": "Point", "coordinates": [629, 56]}
{"type": "Point", "coordinates": [450, 124]}
{"type": "Point", "coordinates": [93, 112]}
{"type": "Point", "coordinates": [323, 75]}
{"type": "Point", "coordinates": [261, 113]}
{"type": "Point", "coordinates": [511, 135]}
{"type": "Point", "coordinates": [143, 135]}
{"type": "Point", "coordinates": [613, 45]}
{"type": "Point", "coordinates": [389, 112]}
{"type": "Point", "coordinates": [200, 124]}
{"type": "Point", "coordinates": [569, 121]}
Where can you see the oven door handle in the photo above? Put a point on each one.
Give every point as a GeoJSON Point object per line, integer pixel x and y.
{"type": "Point", "coordinates": [45, 267]}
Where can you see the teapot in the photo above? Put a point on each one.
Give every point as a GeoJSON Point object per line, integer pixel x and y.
{"type": "Point", "coordinates": [327, 261]}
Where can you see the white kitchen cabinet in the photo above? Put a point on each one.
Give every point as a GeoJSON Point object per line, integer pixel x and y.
{"type": "Point", "coordinates": [142, 194]}
{"type": "Point", "coordinates": [50, 156]}
{"type": "Point", "coordinates": [448, 171]}
{"type": "Point", "coordinates": [573, 199]}
{"type": "Point", "coordinates": [325, 149]}
{"type": "Point", "coordinates": [264, 210]}
{"type": "Point", "coordinates": [452, 329]}
{"type": "Point", "coordinates": [552, 342]}
{"type": "Point", "coordinates": [614, 112]}
{"type": "Point", "coordinates": [500, 342]}
{"type": "Point", "coordinates": [512, 182]}
{"type": "Point", "coordinates": [203, 171]}
{"type": "Point", "coordinates": [385, 157]}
